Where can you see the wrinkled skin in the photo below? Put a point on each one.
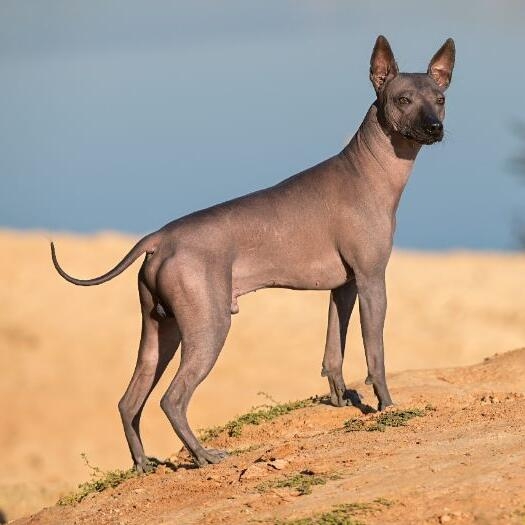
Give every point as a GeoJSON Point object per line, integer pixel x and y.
{"type": "Point", "coordinates": [327, 228]}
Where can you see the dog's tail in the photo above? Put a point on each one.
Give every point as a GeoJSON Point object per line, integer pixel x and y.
{"type": "Point", "coordinates": [147, 244]}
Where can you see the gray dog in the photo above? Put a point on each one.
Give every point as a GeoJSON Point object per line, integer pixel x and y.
{"type": "Point", "coordinates": [327, 228]}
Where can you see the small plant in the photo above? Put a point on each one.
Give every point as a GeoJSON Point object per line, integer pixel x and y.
{"type": "Point", "coordinates": [100, 481]}
{"type": "Point", "coordinates": [239, 451]}
{"type": "Point", "coordinates": [383, 501]}
{"type": "Point", "coordinates": [520, 513]}
{"type": "Point", "coordinates": [354, 425]}
{"type": "Point", "coordinates": [345, 514]}
{"type": "Point", "coordinates": [397, 418]}
{"type": "Point", "coordinates": [256, 416]}
{"type": "Point", "coordinates": [393, 418]}
{"type": "Point", "coordinates": [301, 482]}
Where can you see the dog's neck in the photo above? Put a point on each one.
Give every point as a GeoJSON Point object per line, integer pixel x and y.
{"type": "Point", "coordinates": [384, 161]}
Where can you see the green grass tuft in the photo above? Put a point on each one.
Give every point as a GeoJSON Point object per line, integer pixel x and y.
{"type": "Point", "coordinates": [301, 482]}
{"type": "Point", "coordinates": [383, 501]}
{"type": "Point", "coordinates": [256, 416]}
{"type": "Point", "coordinates": [345, 514]}
{"type": "Point", "coordinates": [100, 481]}
{"type": "Point", "coordinates": [520, 513]}
{"type": "Point", "coordinates": [354, 425]}
{"type": "Point", "coordinates": [245, 450]}
{"type": "Point", "coordinates": [399, 418]}
{"type": "Point", "coordinates": [392, 418]}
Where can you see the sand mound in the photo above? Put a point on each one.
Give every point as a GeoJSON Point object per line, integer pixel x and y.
{"type": "Point", "coordinates": [459, 460]}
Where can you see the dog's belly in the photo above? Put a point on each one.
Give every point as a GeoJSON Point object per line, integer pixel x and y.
{"type": "Point", "coordinates": [320, 273]}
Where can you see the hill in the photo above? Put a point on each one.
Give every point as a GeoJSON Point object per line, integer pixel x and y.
{"type": "Point", "coordinates": [451, 451]}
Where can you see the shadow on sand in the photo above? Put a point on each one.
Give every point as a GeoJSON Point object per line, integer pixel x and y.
{"type": "Point", "coordinates": [354, 399]}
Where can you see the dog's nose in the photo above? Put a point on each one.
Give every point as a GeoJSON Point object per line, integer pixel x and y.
{"type": "Point", "coordinates": [434, 127]}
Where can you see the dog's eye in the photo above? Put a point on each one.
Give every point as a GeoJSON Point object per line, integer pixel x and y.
{"type": "Point", "coordinates": [440, 100]}
{"type": "Point", "coordinates": [403, 100]}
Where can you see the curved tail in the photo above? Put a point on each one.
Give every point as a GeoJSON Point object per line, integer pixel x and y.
{"type": "Point", "coordinates": [147, 244]}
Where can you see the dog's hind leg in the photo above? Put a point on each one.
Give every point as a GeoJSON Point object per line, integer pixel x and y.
{"type": "Point", "coordinates": [198, 355]}
{"type": "Point", "coordinates": [342, 302]}
{"type": "Point", "coordinates": [158, 343]}
{"type": "Point", "coordinates": [202, 308]}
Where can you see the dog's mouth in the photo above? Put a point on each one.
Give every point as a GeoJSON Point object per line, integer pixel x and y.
{"type": "Point", "coordinates": [422, 137]}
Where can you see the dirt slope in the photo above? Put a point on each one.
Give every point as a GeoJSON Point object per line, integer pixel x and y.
{"type": "Point", "coordinates": [462, 462]}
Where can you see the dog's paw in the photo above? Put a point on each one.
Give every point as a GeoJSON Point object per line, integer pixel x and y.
{"type": "Point", "coordinates": [210, 456]}
{"type": "Point", "coordinates": [146, 466]}
{"type": "Point", "coordinates": [338, 391]}
{"type": "Point", "coordinates": [382, 407]}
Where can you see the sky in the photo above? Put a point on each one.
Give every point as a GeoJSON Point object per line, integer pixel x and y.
{"type": "Point", "coordinates": [123, 115]}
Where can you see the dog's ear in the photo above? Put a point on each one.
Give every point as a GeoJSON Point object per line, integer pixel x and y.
{"type": "Point", "coordinates": [383, 65]}
{"type": "Point", "coordinates": [442, 64]}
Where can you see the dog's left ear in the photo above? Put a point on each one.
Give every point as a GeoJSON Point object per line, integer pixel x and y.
{"type": "Point", "coordinates": [442, 64]}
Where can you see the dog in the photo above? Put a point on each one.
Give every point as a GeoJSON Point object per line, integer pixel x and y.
{"type": "Point", "coordinates": [329, 227]}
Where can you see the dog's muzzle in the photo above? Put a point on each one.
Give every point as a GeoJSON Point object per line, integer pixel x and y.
{"type": "Point", "coordinates": [424, 136]}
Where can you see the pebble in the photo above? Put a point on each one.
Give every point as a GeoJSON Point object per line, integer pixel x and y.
{"type": "Point", "coordinates": [253, 471]}
{"type": "Point", "coordinates": [321, 467]}
{"type": "Point", "coordinates": [278, 464]}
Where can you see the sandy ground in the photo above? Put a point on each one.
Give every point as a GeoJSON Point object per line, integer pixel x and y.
{"type": "Point", "coordinates": [462, 462]}
{"type": "Point", "coordinates": [66, 355]}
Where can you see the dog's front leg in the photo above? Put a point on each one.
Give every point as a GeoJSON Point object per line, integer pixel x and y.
{"type": "Point", "coordinates": [342, 302]}
{"type": "Point", "coordinates": [371, 289]}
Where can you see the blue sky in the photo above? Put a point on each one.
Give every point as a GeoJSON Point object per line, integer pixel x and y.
{"type": "Point", "coordinates": [123, 115]}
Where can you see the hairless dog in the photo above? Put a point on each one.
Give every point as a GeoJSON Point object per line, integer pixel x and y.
{"type": "Point", "coordinates": [327, 228]}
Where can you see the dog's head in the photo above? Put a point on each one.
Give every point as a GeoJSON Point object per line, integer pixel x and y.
{"type": "Point", "coordinates": [412, 104]}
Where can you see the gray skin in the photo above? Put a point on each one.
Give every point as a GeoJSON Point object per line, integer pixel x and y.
{"type": "Point", "coordinates": [327, 228]}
